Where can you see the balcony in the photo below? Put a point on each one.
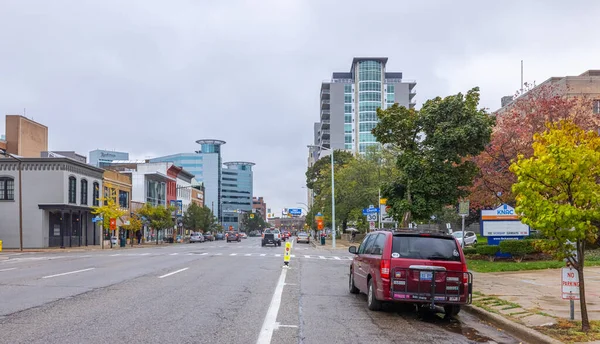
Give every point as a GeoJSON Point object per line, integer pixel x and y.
{"type": "Point", "coordinates": [325, 124]}
{"type": "Point", "coordinates": [325, 132]}
{"type": "Point", "coordinates": [325, 142]}
{"type": "Point", "coordinates": [325, 114]}
{"type": "Point", "coordinates": [325, 92]}
{"type": "Point", "coordinates": [412, 94]}
{"type": "Point", "coordinates": [325, 104]}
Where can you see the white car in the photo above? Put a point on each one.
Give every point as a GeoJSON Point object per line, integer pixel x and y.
{"type": "Point", "coordinates": [470, 238]}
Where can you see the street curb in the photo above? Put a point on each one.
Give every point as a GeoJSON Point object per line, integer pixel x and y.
{"type": "Point", "coordinates": [520, 331]}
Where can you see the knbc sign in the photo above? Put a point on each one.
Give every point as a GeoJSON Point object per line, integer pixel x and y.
{"type": "Point", "coordinates": [501, 224]}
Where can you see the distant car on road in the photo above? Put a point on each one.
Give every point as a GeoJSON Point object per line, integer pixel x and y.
{"type": "Point", "coordinates": [196, 237]}
{"type": "Point", "coordinates": [243, 235]}
{"type": "Point", "coordinates": [302, 236]}
{"type": "Point", "coordinates": [425, 269]}
{"type": "Point", "coordinates": [208, 237]}
{"type": "Point", "coordinates": [219, 236]}
{"type": "Point", "coordinates": [233, 236]}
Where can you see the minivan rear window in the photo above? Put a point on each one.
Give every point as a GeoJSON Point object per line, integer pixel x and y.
{"type": "Point", "coordinates": [425, 247]}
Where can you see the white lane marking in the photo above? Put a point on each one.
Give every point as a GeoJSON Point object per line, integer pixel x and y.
{"type": "Point", "coordinates": [233, 254]}
{"type": "Point", "coordinates": [204, 254]}
{"type": "Point", "coordinates": [248, 254]}
{"type": "Point", "coordinates": [173, 273]}
{"type": "Point", "coordinates": [277, 255]}
{"type": "Point", "coordinates": [270, 322]}
{"type": "Point", "coordinates": [294, 326]}
{"type": "Point", "coordinates": [263, 254]}
{"type": "Point", "coordinates": [306, 256]}
{"type": "Point", "coordinates": [173, 254]}
{"type": "Point", "coordinates": [321, 257]}
{"type": "Point", "coordinates": [336, 258]}
{"type": "Point", "coordinates": [218, 254]}
{"type": "Point", "coordinates": [68, 273]}
{"type": "Point", "coordinates": [114, 255]}
{"type": "Point", "coordinates": [145, 254]}
{"type": "Point", "coordinates": [7, 269]}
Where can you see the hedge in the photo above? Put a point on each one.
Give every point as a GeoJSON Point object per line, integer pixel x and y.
{"type": "Point", "coordinates": [488, 250]}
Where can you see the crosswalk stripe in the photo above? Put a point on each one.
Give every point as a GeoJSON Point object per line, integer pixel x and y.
{"type": "Point", "coordinates": [248, 254]}
{"type": "Point", "coordinates": [263, 254]}
{"type": "Point", "coordinates": [336, 258]}
{"type": "Point", "coordinates": [306, 256]}
{"type": "Point", "coordinates": [233, 254]}
{"type": "Point", "coordinates": [173, 254]}
{"type": "Point", "coordinates": [321, 257]}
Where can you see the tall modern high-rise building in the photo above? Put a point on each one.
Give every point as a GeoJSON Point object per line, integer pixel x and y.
{"type": "Point", "coordinates": [206, 166]}
{"type": "Point", "coordinates": [237, 190]}
{"type": "Point", "coordinates": [349, 102]}
{"type": "Point", "coordinates": [103, 158]}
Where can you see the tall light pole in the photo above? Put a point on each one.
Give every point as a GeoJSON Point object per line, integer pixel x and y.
{"type": "Point", "coordinates": [5, 153]}
{"type": "Point", "coordinates": [332, 194]}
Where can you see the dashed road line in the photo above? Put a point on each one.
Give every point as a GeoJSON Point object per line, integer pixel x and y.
{"type": "Point", "coordinates": [173, 273]}
{"type": "Point", "coordinates": [68, 273]}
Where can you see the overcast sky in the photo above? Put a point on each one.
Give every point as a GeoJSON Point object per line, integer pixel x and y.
{"type": "Point", "coordinates": [150, 77]}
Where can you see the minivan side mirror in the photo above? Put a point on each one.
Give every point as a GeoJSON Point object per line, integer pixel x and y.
{"type": "Point", "coordinates": [352, 249]}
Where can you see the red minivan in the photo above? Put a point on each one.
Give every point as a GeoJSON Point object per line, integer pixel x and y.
{"type": "Point", "coordinates": [410, 267]}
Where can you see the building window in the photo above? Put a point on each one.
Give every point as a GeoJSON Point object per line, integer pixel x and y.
{"type": "Point", "coordinates": [72, 190]}
{"type": "Point", "coordinates": [7, 189]}
{"type": "Point", "coordinates": [84, 192]}
{"type": "Point", "coordinates": [124, 199]}
{"type": "Point", "coordinates": [96, 194]}
{"type": "Point", "coordinates": [597, 106]}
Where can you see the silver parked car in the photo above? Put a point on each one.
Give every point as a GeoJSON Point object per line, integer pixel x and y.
{"type": "Point", "coordinates": [196, 237]}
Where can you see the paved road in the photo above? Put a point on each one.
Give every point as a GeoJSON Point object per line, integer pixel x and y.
{"type": "Point", "coordinates": [205, 293]}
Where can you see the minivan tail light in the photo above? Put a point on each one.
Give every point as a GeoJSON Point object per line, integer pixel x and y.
{"type": "Point", "coordinates": [384, 267]}
{"type": "Point", "coordinates": [465, 274]}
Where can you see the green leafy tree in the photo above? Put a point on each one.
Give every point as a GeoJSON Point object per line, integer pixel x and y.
{"type": "Point", "coordinates": [558, 193]}
{"type": "Point", "coordinates": [159, 217]}
{"type": "Point", "coordinates": [321, 169]}
{"type": "Point", "coordinates": [135, 224]}
{"type": "Point", "coordinates": [434, 144]}
{"type": "Point", "coordinates": [198, 218]}
{"type": "Point", "coordinates": [253, 222]}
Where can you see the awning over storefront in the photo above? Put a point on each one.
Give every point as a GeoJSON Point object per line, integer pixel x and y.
{"type": "Point", "coordinates": [64, 207]}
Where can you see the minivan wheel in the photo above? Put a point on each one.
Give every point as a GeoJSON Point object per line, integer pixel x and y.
{"type": "Point", "coordinates": [452, 310]}
{"type": "Point", "coordinates": [353, 289]}
{"type": "Point", "coordinates": [372, 302]}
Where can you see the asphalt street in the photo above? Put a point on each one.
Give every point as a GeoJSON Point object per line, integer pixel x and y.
{"type": "Point", "coordinates": [212, 292]}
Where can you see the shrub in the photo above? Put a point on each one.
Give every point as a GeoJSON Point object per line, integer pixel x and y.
{"type": "Point", "coordinates": [517, 248]}
{"type": "Point", "coordinates": [488, 250]}
{"type": "Point", "coordinates": [469, 251]}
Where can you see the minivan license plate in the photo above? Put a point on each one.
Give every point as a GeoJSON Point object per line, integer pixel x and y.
{"type": "Point", "coordinates": [426, 275]}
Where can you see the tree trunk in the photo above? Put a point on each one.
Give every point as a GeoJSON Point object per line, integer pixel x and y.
{"type": "Point", "coordinates": [407, 215]}
{"type": "Point", "coordinates": [585, 321]}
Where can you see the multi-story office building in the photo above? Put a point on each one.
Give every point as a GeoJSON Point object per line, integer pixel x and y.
{"type": "Point", "coordinates": [349, 103]}
{"type": "Point", "coordinates": [237, 189]}
{"type": "Point", "coordinates": [103, 158]}
{"type": "Point", "coordinates": [206, 166]}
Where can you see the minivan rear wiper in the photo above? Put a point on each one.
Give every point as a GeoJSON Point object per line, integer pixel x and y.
{"type": "Point", "coordinates": [438, 257]}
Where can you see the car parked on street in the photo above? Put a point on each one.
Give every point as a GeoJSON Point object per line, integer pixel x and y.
{"type": "Point", "coordinates": [233, 236]}
{"type": "Point", "coordinates": [196, 237]}
{"type": "Point", "coordinates": [220, 236]}
{"type": "Point", "coordinates": [302, 236]}
{"type": "Point", "coordinates": [425, 269]}
{"type": "Point", "coordinates": [470, 238]}
{"type": "Point", "coordinates": [208, 237]}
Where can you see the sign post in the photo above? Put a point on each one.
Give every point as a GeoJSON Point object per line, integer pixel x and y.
{"type": "Point", "coordinates": [463, 211]}
{"type": "Point", "coordinates": [570, 287]}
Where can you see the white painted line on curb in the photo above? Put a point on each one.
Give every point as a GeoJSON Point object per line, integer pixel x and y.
{"type": "Point", "coordinates": [68, 273]}
{"type": "Point", "coordinates": [8, 269]}
{"type": "Point", "coordinates": [270, 322]}
{"type": "Point", "coordinates": [173, 273]}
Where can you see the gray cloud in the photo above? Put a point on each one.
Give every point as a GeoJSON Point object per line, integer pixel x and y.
{"type": "Point", "coordinates": [151, 77]}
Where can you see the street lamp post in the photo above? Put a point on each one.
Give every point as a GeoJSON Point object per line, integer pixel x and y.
{"type": "Point", "coordinates": [332, 195]}
{"type": "Point", "coordinates": [5, 153]}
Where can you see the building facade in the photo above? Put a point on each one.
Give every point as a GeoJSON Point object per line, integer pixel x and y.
{"type": "Point", "coordinates": [57, 197]}
{"type": "Point", "coordinates": [102, 158]}
{"type": "Point", "coordinates": [198, 194]}
{"type": "Point", "coordinates": [206, 166]}
{"type": "Point", "coordinates": [585, 85]}
{"type": "Point", "coordinates": [259, 205]}
{"type": "Point", "coordinates": [349, 102]}
{"type": "Point", "coordinates": [117, 186]}
{"type": "Point", "coordinates": [237, 190]}
{"type": "Point", "coordinates": [25, 137]}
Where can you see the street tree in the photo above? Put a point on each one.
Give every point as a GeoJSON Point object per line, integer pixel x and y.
{"type": "Point", "coordinates": [253, 222]}
{"type": "Point", "coordinates": [198, 218]}
{"type": "Point", "coordinates": [558, 193]}
{"type": "Point", "coordinates": [513, 135]}
{"type": "Point", "coordinates": [321, 169]}
{"type": "Point", "coordinates": [109, 209]}
{"type": "Point", "coordinates": [158, 217]}
{"type": "Point", "coordinates": [434, 145]}
{"type": "Point", "coordinates": [135, 224]}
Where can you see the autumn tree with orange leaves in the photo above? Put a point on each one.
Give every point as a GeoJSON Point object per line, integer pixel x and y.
{"type": "Point", "coordinates": [513, 135]}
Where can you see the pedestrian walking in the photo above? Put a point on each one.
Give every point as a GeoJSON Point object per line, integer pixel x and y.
{"type": "Point", "coordinates": [138, 234]}
{"type": "Point", "coordinates": [353, 236]}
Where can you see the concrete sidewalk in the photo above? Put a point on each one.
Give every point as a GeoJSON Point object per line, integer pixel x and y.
{"type": "Point", "coordinates": [531, 298]}
{"type": "Point", "coordinates": [340, 244]}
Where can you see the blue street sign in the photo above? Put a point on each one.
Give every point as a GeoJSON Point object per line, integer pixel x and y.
{"type": "Point", "coordinates": [97, 219]}
{"type": "Point", "coordinates": [367, 211]}
{"type": "Point", "coordinates": [295, 211]}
